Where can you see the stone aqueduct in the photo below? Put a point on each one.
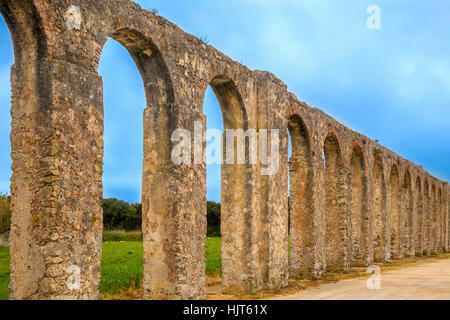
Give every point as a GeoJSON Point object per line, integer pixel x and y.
{"type": "Point", "coordinates": [353, 201]}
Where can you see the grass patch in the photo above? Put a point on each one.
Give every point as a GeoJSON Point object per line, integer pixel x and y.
{"type": "Point", "coordinates": [4, 273]}
{"type": "Point", "coordinates": [213, 257]}
{"type": "Point", "coordinates": [122, 236]}
{"type": "Point", "coordinates": [121, 266]}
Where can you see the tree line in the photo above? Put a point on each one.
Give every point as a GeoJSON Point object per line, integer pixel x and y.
{"type": "Point", "coordinates": [121, 215]}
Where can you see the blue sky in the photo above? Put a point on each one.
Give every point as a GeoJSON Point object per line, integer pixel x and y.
{"type": "Point", "coordinates": [391, 84]}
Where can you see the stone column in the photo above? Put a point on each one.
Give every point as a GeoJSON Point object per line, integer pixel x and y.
{"type": "Point", "coordinates": [369, 217]}
{"type": "Point", "coordinates": [174, 206]}
{"type": "Point", "coordinates": [56, 232]}
{"type": "Point", "coordinates": [273, 187]}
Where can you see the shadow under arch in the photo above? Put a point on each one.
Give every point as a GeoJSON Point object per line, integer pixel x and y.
{"type": "Point", "coordinates": [426, 218]}
{"type": "Point", "coordinates": [433, 216]}
{"type": "Point", "coordinates": [418, 207]}
{"type": "Point", "coordinates": [359, 218]}
{"type": "Point", "coordinates": [336, 231]}
{"type": "Point", "coordinates": [150, 63]}
{"type": "Point", "coordinates": [380, 217]}
{"type": "Point", "coordinates": [302, 241]}
{"type": "Point", "coordinates": [395, 212]}
{"type": "Point", "coordinates": [441, 219]}
{"type": "Point", "coordinates": [407, 216]}
{"type": "Point", "coordinates": [235, 197]}
{"type": "Point", "coordinates": [230, 101]}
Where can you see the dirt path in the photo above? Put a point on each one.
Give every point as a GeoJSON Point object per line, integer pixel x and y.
{"type": "Point", "coordinates": [428, 281]}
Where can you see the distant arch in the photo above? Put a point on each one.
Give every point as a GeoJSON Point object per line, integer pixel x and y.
{"type": "Point", "coordinates": [379, 210]}
{"type": "Point", "coordinates": [427, 218]}
{"type": "Point", "coordinates": [301, 196]}
{"type": "Point", "coordinates": [359, 218]}
{"type": "Point", "coordinates": [336, 231]}
{"type": "Point", "coordinates": [433, 222]}
{"type": "Point", "coordinates": [440, 222]}
{"type": "Point", "coordinates": [418, 206]}
{"type": "Point", "coordinates": [407, 217]}
{"type": "Point", "coordinates": [395, 212]}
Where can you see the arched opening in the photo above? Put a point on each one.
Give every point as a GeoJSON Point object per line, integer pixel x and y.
{"type": "Point", "coordinates": [137, 144]}
{"type": "Point", "coordinates": [6, 61]}
{"type": "Point", "coordinates": [358, 207]}
{"type": "Point", "coordinates": [124, 103]}
{"type": "Point", "coordinates": [301, 222]}
{"type": "Point", "coordinates": [433, 214]}
{"type": "Point", "coordinates": [395, 213]}
{"type": "Point", "coordinates": [214, 152]}
{"type": "Point", "coordinates": [233, 202]}
{"type": "Point", "coordinates": [427, 218]}
{"type": "Point", "coordinates": [419, 217]}
{"type": "Point", "coordinates": [379, 210]}
{"type": "Point", "coordinates": [407, 219]}
{"type": "Point", "coordinates": [335, 221]}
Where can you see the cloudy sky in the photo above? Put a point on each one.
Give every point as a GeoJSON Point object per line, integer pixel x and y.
{"type": "Point", "coordinates": [391, 84]}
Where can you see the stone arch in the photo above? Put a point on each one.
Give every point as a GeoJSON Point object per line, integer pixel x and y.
{"type": "Point", "coordinates": [418, 207]}
{"type": "Point", "coordinates": [302, 214]}
{"type": "Point", "coordinates": [29, 93]}
{"type": "Point", "coordinates": [235, 195]}
{"type": "Point", "coordinates": [426, 217]}
{"type": "Point", "coordinates": [159, 121]}
{"type": "Point", "coordinates": [359, 218]}
{"type": "Point", "coordinates": [230, 101]}
{"type": "Point", "coordinates": [150, 63]}
{"type": "Point", "coordinates": [380, 209]}
{"type": "Point", "coordinates": [336, 232]}
{"type": "Point", "coordinates": [407, 217]}
{"type": "Point", "coordinates": [433, 221]}
{"type": "Point", "coordinates": [27, 33]}
{"type": "Point", "coordinates": [395, 212]}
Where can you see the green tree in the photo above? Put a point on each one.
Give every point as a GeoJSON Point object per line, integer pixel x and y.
{"type": "Point", "coordinates": [213, 219]}
{"type": "Point", "coordinates": [5, 213]}
{"type": "Point", "coordinates": [121, 215]}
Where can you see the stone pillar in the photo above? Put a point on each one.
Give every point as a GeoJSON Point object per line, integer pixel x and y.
{"type": "Point", "coordinates": [272, 180]}
{"type": "Point", "coordinates": [56, 232]}
{"type": "Point", "coordinates": [369, 217]}
{"type": "Point", "coordinates": [174, 207]}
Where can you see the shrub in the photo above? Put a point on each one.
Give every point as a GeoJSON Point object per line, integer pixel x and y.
{"type": "Point", "coordinates": [121, 215]}
{"type": "Point", "coordinates": [117, 236]}
{"type": "Point", "coordinates": [5, 213]}
{"type": "Point", "coordinates": [213, 219]}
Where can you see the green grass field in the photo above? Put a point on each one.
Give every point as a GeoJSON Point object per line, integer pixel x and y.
{"type": "Point", "coordinates": [121, 265]}
{"type": "Point", "coordinates": [4, 273]}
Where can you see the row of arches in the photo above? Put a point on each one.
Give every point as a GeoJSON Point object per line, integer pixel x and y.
{"type": "Point", "coordinates": [331, 198]}
{"type": "Point", "coordinates": [370, 213]}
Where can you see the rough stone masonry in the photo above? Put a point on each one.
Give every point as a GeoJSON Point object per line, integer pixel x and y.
{"type": "Point", "coordinates": [358, 204]}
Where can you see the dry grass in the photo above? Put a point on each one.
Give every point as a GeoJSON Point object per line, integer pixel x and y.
{"type": "Point", "coordinates": [132, 293]}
